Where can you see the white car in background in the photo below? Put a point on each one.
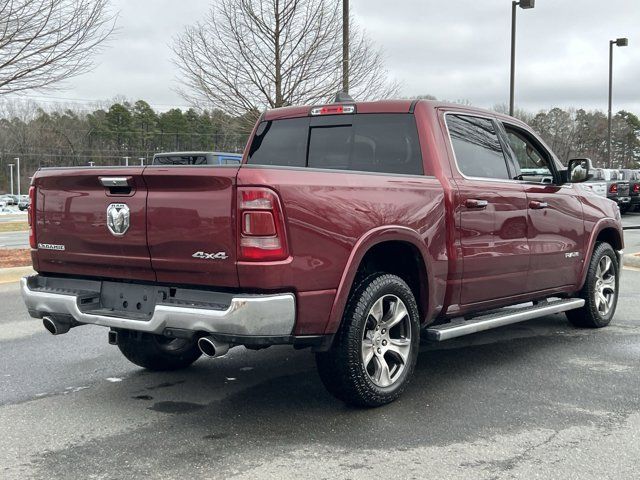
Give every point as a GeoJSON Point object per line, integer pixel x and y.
{"type": "Point", "coordinates": [597, 184]}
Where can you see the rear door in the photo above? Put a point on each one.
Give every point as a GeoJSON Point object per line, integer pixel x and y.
{"type": "Point", "coordinates": [492, 210]}
{"type": "Point", "coordinates": [73, 235]}
{"type": "Point", "coordinates": [191, 224]}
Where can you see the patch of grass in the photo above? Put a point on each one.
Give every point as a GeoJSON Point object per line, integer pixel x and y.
{"type": "Point", "coordinates": [14, 226]}
{"type": "Point", "coordinates": [15, 258]}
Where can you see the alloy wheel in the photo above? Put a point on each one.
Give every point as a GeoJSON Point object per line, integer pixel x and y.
{"type": "Point", "coordinates": [386, 342]}
{"type": "Point", "coordinates": [605, 287]}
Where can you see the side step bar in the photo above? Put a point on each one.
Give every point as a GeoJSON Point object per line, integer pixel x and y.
{"type": "Point", "coordinates": [503, 317]}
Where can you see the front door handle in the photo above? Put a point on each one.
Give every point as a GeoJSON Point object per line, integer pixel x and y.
{"type": "Point", "coordinates": [474, 203]}
{"type": "Point", "coordinates": [536, 205]}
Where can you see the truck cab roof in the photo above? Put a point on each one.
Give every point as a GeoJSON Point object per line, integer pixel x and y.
{"type": "Point", "coordinates": [379, 106]}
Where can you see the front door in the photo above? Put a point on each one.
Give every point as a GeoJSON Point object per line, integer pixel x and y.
{"type": "Point", "coordinates": [492, 211]}
{"type": "Point", "coordinates": [555, 219]}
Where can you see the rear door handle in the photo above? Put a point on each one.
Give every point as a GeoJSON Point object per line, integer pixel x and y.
{"type": "Point", "coordinates": [474, 203]}
{"type": "Point", "coordinates": [535, 205]}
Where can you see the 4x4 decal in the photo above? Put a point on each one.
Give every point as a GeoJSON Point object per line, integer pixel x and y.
{"type": "Point", "coordinates": [211, 256]}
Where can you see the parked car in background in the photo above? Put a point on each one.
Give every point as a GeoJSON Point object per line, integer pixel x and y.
{"type": "Point", "coordinates": [7, 200]}
{"type": "Point", "coordinates": [597, 183]}
{"type": "Point", "coordinates": [618, 189]}
{"type": "Point", "coordinates": [347, 228]}
{"type": "Point", "coordinates": [633, 176]}
{"type": "Point", "coordinates": [24, 202]}
{"type": "Point", "coordinates": [196, 158]}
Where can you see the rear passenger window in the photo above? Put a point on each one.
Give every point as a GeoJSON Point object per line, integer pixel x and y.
{"type": "Point", "coordinates": [384, 143]}
{"type": "Point", "coordinates": [476, 146]}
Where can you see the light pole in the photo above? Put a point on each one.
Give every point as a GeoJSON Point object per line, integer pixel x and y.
{"type": "Point", "coordinates": [524, 4]}
{"type": "Point", "coordinates": [17, 159]}
{"type": "Point", "coordinates": [620, 42]}
{"type": "Point", "coordinates": [345, 46]}
{"type": "Point", "coordinates": [11, 168]}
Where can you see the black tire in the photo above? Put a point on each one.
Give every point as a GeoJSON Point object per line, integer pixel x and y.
{"type": "Point", "coordinates": [157, 352]}
{"type": "Point", "coordinates": [343, 370]}
{"type": "Point", "coordinates": [592, 314]}
{"type": "Point", "coordinates": [624, 209]}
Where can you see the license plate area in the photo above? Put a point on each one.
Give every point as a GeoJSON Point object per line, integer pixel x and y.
{"type": "Point", "coordinates": [131, 300]}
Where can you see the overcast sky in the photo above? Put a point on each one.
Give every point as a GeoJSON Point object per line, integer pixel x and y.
{"type": "Point", "coordinates": [453, 49]}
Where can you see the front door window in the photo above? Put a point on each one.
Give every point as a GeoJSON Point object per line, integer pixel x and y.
{"type": "Point", "coordinates": [533, 165]}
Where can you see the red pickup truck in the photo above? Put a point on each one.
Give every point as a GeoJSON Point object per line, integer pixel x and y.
{"type": "Point", "coordinates": [351, 228]}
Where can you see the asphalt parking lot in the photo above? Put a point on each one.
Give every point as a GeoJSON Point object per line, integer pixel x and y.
{"type": "Point", "coordinates": [536, 400]}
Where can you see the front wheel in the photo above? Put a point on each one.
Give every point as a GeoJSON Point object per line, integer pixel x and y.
{"type": "Point", "coordinates": [157, 352]}
{"type": "Point", "coordinates": [600, 291]}
{"type": "Point", "coordinates": [374, 353]}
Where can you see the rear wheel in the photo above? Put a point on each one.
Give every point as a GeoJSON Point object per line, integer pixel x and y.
{"type": "Point", "coordinates": [157, 352]}
{"type": "Point", "coordinates": [624, 208]}
{"type": "Point", "coordinates": [600, 291]}
{"type": "Point", "coordinates": [374, 353]}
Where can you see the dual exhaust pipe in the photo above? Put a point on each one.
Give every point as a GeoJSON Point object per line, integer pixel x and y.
{"type": "Point", "coordinates": [209, 346]}
{"type": "Point", "coordinates": [212, 348]}
{"type": "Point", "coordinates": [56, 326]}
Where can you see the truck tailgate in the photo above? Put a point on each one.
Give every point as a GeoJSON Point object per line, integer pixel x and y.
{"type": "Point", "coordinates": [191, 224]}
{"type": "Point", "coordinates": [71, 223]}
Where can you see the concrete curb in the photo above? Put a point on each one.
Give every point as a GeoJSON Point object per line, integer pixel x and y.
{"type": "Point", "coordinates": [8, 275]}
{"type": "Point", "coordinates": [631, 260]}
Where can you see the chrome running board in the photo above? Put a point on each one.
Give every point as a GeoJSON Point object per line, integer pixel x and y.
{"type": "Point", "coordinates": [500, 318]}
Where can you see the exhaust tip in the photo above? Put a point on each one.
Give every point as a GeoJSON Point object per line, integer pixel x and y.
{"type": "Point", "coordinates": [212, 348]}
{"type": "Point", "coordinates": [50, 325]}
{"type": "Point", "coordinates": [55, 326]}
{"type": "Point", "coordinates": [207, 347]}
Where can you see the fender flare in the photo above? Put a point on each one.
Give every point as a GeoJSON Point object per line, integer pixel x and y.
{"type": "Point", "coordinates": [601, 225]}
{"type": "Point", "coordinates": [367, 241]}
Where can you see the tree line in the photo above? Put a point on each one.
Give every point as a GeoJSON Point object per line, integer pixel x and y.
{"type": "Point", "coordinates": [108, 136]}
{"type": "Point", "coordinates": [578, 133]}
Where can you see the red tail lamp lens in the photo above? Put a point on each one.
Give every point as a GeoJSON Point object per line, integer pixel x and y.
{"type": "Point", "coordinates": [262, 235]}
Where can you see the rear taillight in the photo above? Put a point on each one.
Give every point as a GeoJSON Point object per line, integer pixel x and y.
{"type": "Point", "coordinates": [261, 231]}
{"type": "Point", "coordinates": [31, 215]}
{"type": "Point", "coordinates": [636, 188]}
{"type": "Point", "coordinates": [613, 188]}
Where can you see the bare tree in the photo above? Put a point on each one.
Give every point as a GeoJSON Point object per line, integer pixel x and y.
{"type": "Point", "coordinates": [43, 42]}
{"type": "Point", "coordinates": [251, 54]}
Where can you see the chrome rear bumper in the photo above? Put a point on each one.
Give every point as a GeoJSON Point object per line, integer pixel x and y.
{"type": "Point", "coordinates": [239, 314]}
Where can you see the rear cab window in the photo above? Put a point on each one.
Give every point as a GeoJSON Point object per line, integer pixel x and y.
{"type": "Point", "coordinates": [379, 143]}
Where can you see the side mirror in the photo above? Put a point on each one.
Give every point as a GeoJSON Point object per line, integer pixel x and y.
{"type": "Point", "coordinates": [579, 170]}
